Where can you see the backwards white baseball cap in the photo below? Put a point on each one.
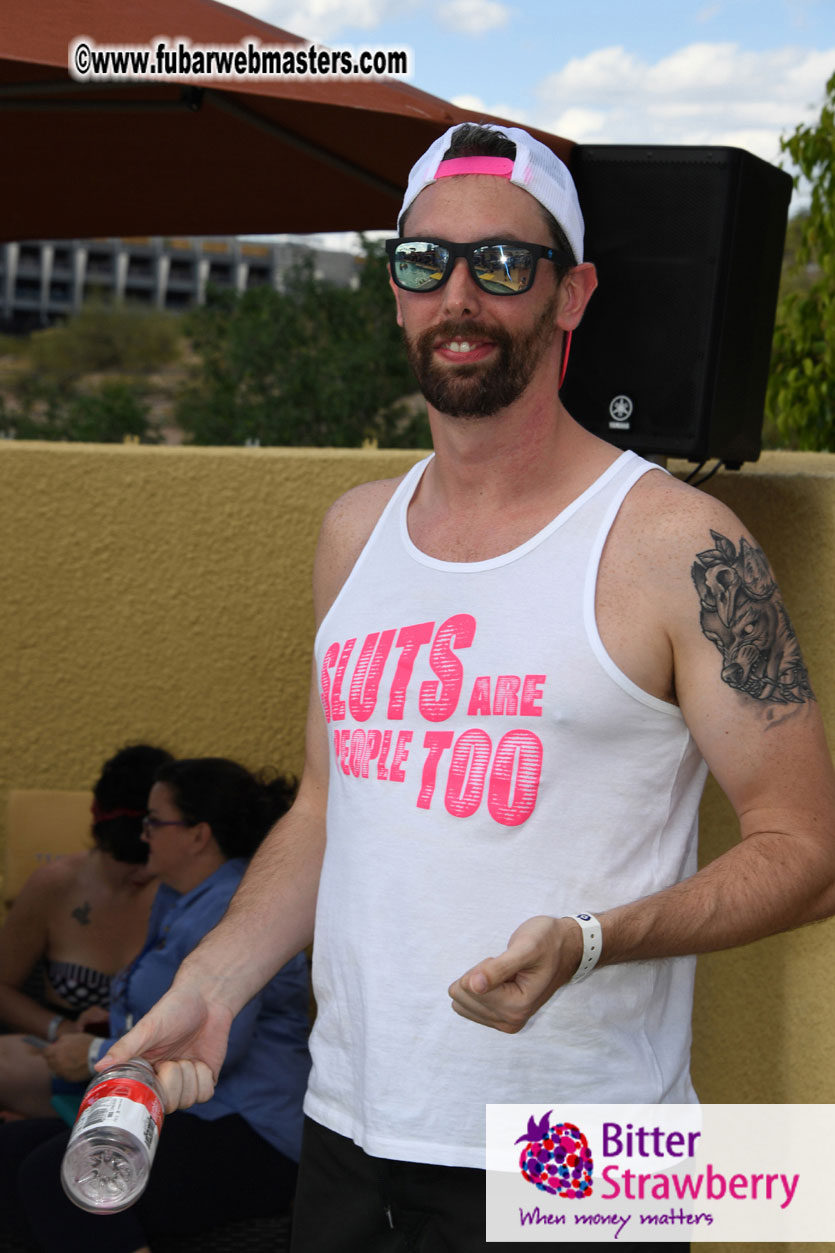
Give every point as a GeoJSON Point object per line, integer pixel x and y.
{"type": "Point", "coordinates": [535, 168]}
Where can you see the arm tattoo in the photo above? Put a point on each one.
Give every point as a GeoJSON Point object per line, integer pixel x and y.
{"type": "Point", "coordinates": [743, 614]}
{"type": "Point", "coordinates": [81, 913]}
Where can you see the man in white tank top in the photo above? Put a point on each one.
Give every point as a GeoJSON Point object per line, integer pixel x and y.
{"type": "Point", "coordinates": [530, 650]}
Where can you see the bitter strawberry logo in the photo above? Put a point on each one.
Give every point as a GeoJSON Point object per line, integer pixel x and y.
{"type": "Point", "coordinates": [556, 1159]}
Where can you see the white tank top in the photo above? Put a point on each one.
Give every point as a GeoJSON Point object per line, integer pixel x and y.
{"type": "Point", "coordinates": [488, 763]}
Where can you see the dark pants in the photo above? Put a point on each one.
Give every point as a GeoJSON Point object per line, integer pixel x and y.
{"type": "Point", "coordinates": [348, 1202]}
{"type": "Point", "coordinates": [204, 1174]}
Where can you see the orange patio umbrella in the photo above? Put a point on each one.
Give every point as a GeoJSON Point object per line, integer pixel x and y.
{"type": "Point", "coordinates": [79, 159]}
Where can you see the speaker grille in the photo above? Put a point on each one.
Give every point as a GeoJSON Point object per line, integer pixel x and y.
{"type": "Point", "coordinates": [662, 362]}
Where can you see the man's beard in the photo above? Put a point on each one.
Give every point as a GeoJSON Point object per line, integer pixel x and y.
{"type": "Point", "coordinates": [481, 389]}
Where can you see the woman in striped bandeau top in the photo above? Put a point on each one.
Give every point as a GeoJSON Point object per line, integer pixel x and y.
{"type": "Point", "coordinates": [77, 920]}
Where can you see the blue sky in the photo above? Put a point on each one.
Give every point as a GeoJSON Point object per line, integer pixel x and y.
{"type": "Point", "coordinates": [738, 72]}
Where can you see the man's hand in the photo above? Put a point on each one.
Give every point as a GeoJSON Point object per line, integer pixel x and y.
{"type": "Point", "coordinates": [67, 1056]}
{"type": "Point", "coordinates": [504, 992]}
{"type": "Point", "coordinates": [185, 1037]}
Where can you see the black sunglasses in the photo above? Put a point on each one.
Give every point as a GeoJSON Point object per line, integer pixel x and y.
{"type": "Point", "coordinates": [500, 267]}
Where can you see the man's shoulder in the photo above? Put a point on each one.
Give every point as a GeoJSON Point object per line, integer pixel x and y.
{"type": "Point", "coordinates": [669, 514]}
{"type": "Point", "coordinates": [665, 532]}
{"type": "Point", "coordinates": [346, 529]}
{"type": "Point", "coordinates": [358, 510]}
{"type": "Point", "coordinates": [647, 591]}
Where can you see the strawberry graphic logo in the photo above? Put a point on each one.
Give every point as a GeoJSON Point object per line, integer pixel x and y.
{"type": "Point", "coordinates": [556, 1159]}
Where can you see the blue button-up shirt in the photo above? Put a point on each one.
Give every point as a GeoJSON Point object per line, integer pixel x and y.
{"type": "Point", "coordinates": [264, 1075]}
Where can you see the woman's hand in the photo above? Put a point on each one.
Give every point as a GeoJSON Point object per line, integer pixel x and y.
{"type": "Point", "coordinates": [67, 1057]}
{"type": "Point", "coordinates": [68, 1027]}
{"type": "Point", "coordinates": [95, 1016]}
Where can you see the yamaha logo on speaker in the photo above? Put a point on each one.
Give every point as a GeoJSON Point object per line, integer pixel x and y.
{"type": "Point", "coordinates": [620, 411]}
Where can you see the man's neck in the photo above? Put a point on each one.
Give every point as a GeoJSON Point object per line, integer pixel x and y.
{"type": "Point", "coordinates": [497, 481]}
{"type": "Point", "coordinates": [519, 454]}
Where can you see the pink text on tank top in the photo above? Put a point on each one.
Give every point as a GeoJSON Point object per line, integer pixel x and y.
{"type": "Point", "coordinates": [462, 772]}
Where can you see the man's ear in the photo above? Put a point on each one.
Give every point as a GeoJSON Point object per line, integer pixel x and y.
{"type": "Point", "coordinates": [575, 293]}
{"type": "Point", "coordinates": [396, 291]}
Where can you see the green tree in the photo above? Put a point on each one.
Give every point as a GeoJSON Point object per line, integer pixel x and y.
{"type": "Point", "coordinates": [313, 364]}
{"type": "Point", "coordinates": [132, 339]}
{"type": "Point", "coordinates": [800, 401]}
{"type": "Point", "coordinates": [86, 379]}
{"type": "Point", "coordinates": [109, 414]}
{"type": "Point", "coordinates": [104, 415]}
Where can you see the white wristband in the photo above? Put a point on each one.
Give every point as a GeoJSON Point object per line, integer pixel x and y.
{"type": "Point", "coordinates": [52, 1029]}
{"type": "Point", "coordinates": [94, 1053]}
{"type": "Point", "coordinates": [592, 945]}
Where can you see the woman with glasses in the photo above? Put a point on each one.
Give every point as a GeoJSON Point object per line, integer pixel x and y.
{"type": "Point", "coordinates": [79, 918]}
{"type": "Point", "coordinates": [235, 1156]}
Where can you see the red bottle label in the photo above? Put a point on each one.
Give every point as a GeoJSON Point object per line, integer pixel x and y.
{"type": "Point", "coordinates": [132, 1090]}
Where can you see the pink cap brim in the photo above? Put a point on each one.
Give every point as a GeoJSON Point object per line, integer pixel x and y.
{"type": "Point", "coordinates": [501, 167]}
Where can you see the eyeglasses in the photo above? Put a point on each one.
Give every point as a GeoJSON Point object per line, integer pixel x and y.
{"type": "Point", "coordinates": [150, 823]}
{"type": "Point", "coordinates": [500, 267]}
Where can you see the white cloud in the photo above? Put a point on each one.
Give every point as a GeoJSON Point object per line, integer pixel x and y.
{"type": "Point", "coordinates": [581, 125]}
{"type": "Point", "coordinates": [474, 103]}
{"type": "Point", "coordinates": [603, 72]}
{"type": "Point", "coordinates": [704, 93]}
{"type": "Point", "coordinates": [325, 19]}
{"type": "Point", "coordinates": [472, 17]}
{"type": "Point", "coordinates": [807, 78]}
{"type": "Point", "coordinates": [477, 105]}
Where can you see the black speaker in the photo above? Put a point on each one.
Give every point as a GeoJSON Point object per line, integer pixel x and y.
{"type": "Point", "coordinates": [671, 358]}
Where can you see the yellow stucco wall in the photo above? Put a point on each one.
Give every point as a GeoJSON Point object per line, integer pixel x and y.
{"type": "Point", "coordinates": [763, 1028]}
{"type": "Point", "coordinates": [158, 593]}
{"type": "Point", "coordinates": [163, 594]}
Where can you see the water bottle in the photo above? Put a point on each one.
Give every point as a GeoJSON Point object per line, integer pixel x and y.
{"type": "Point", "coordinates": [114, 1138]}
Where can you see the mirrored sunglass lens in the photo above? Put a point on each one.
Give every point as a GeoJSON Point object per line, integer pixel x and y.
{"type": "Point", "coordinates": [502, 269]}
{"type": "Point", "coordinates": [420, 265]}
